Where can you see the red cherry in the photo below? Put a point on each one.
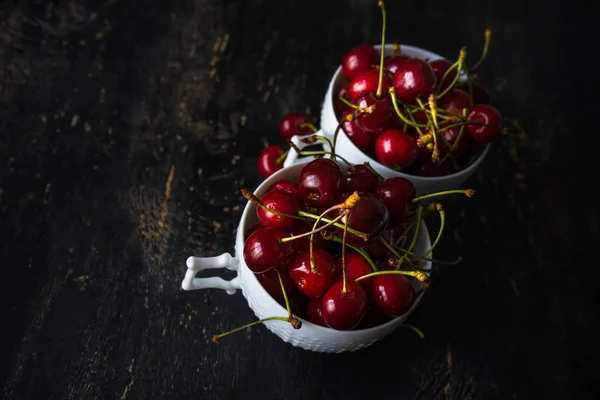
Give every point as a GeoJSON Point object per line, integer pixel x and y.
{"type": "Point", "coordinates": [361, 179]}
{"type": "Point", "coordinates": [312, 284]}
{"type": "Point", "coordinates": [270, 281]}
{"type": "Point", "coordinates": [377, 250]}
{"type": "Point", "coordinates": [344, 311]}
{"type": "Point", "coordinates": [413, 78]}
{"type": "Point", "coordinates": [454, 101]}
{"type": "Point", "coordinates": [267, 161]}
{"type": "Point", "coordinates": [290, 125]}
{"type": "Point", "coordinates": [263, 251]}
{"type": "Point", "coordinates": [367, 82]}
{"type": "Point", "coordinates": [357, 266]}
{"type": "Point", "coordinates": [251, 230]}
{"type": "Point", "coordinates": [285, 186]}
{"type": "Point", "coordinates": [397, 194]}
{"type": "Point", "coordinates": [282, 202]}
{"type": "Point", "coordinates": [303, 243]}
{"type": "Point", "coordinates": [424, 166]}
{"type": "Point", "coordinates": [320, 183]}
{"type": "Point", "coordinates": [488, 115]}
{"type": "Point", "coordinates": [439, 67]}
{"type": "Point", "coordinates": [373, 317]}
{"type": "Point", "coordinates": [480, 93]}
{"type": "Point", "coordinates": [338, 105]}
{"type": "Point", "coordinates": [380, 117]}
{"type": "Point", "coordinates": [298, 304]}
{"type": "Point", "coordinates": [359, 59]}
{"type": "Point", "coordinates": [396, 149]}
{"type": "Point", "coordinates": [450, 136]}
{"type": "Point", "coordinates": [391, 63]}
{"type": "Point", "coordinates": [369, 215]}
{"type": "Point", "coordinates": [314, 312]}
{"type": "Point", "coordinates": [356, 134]}
{"type": "Point", "coordinates": [393, 294]}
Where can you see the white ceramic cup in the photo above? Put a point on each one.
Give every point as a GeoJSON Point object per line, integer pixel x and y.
{"type": "Point", "coordinates": [310, 336]}
{"type": "Point", "coordinates": [345, 148]}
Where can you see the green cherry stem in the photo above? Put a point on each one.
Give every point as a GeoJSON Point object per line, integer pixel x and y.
{"type": "Point", "coordinates": [324, 153]}
{"type": "Point", "coordinates": [282, 157]}
{"type": "Point", "coordinates": [305, 234]}
{"type": "Point", "coordinates": [344, 278]}
{"type": "Point", "coordinates": [459, 65]}
{"type": "Point", "coordinates": [347, 102]}
{"type": "Point", "coordinates": [297, 324]}
{"type": "Point", "coordinates": [309, 125]}
{"type": "Point", "coordinates": [333, 237]}
{"type": "Point", "coordinates": [251, 197]}
{"type": "Point", "coordinates": [467, 192]}
{"type": "Point", "coordinates": [486, 46]}
{"type": "Point", "coordinates": [415, 236]}
{"type": "Point", "coordinates": [382, 56]}
{"type": "Point", "coordinates": [421, 276]}
{"type": "Point", "coordinates": [440, 210]}
{"type": "Point", "coordinates": [285, 297]}
{"type": "Point", "coordinates": [392, 92]}
{"type": "Point", "coordinates": [361, 235]}
{"type": "Point", "coordinates": [414, 329]}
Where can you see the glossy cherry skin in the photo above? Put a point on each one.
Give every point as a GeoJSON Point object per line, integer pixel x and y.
{"type": "Point", "coordinates": [263, 252]}
{"type": "Point", "coordinates": [314, 312]}
{"type": "Point", "coordinates": [367, 82]}
{"type": "Point", "coordinates": [285, 186]}
{"type": "Point", "coordinates": [392, 62]}
{"type": "Point", "coordinates": [380, 117]}
{"type": "Point", "coordinates": [439, 67]}
{"type": "Point", "coordinates": [488, 115]}
{"type": "Point", "coordinates": [267, 161]}
{"type": "Point", "coordinates": [480, 93]}
{"type": "Point", "coordinates": [344, 311]}
{"type": "Point", "coordinates": [413, 78]}
{"type": "Point", "coordinates": [454, 101]}
{"type": "Point", "coordinates": [393, 294]}
{"type": "Point", "coordinates": [270, 281]}
{"type": "Point", "coordinates": [290, 125]}
{"type": "Point", "coordinates": [303, 243]}
{"type": "Point", "coordinates": [320, 183]}
{"type": "Point", "coordinates": [396, 149]}
{"type": "Point", "coordinates": [361, 179]}
{"type": "Point", "coordinates": [313, 284]}
{"type": "Point", "coordinates": [369, 215]}
{"type": "Point", "coordinates": [282, 202]}
{"type": "Point", "coordinates": [359, 59]}
{"type": "Point", "coordinates": [397, 194]}
{"type": "Point", "coordinates": [357, 266]}
{"type": "Point", "coordinates": [357, 135]}
{"type": "Point", "coordinates": [424, 166]}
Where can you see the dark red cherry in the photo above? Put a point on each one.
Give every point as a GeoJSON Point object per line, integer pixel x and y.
{"type": "Point", "coordinates": [488, 115]}
{"type": "Point", "coordinates": [251, 230]}
{"type": "Point", "coordinates": [356, 134]}
{"type": "Point", "coordinates": [369, 215]}
{"type": "Point", "coordinates": [298, 303]}
{"type": "Point", "coordinates": [413, 78]}
{"type": "Point", "coordinates": [267, 161]}
{"type": "Point", "coordinates": [397, 194]}
{"type": "Point", "coordinates": [320, 183]}
{"type": "Point", "coordinates": [393, 294]}
{"type": "Point", "coordinates": [448, 141]}
{"type": "Point", "coordinates": [480, 93]}
{"type": "Point", "coordinates": [282, 202]}
{"type": "Point", "coordinates": [380, 117]}
{"type": "Point", "coordinates": [454, 101]}
{"type": "Point", "coordinates": [367, 82]}
{"type": "Point", "coordinates": [285, 186]}
{"type": "Point", "coordinates": [290, 125]}
{"type": "Point", "coordinates": [424, 166]}
{"type": "Point", "coordinates": [373, 317]}
{"type": "Point", "coordinates": [377, 250]}
{"type": "Point", "coordinates": [263, 251]}
{"type": "Point", "coordinates": [359, 59]}
{"type": "Point", "coordinates": [270, 281]}
{"type": "Point", "coordinates": [314, 312]}
{"type": "Point", "coordinates": [396, 149]}
{"type": "Point", "coordinates": [312, 284]}
{"type": "Point", "coordinates": [303, 243]}
{"type": "Point", "coordinates": [420, 117]}
{"type": "Point", "coordinates": [338, 105]}
{"type": "Point", "coordinates": [357, 266]}
{"type": "Point", "coordinates": [341, 310]}
{"type": "Point", "coordinates": [361, 179]}
{"type": "Point", "coordinates": [439, 67]}
{"type": "Point", "coordinates": [391, 63]}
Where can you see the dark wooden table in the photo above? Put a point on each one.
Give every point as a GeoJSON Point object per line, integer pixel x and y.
{"type": "Point", "coordinates": [127, 129]}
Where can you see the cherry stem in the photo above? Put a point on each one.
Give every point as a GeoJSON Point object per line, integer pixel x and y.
{"type": "Point", "coordinates": [440, 210]}
{"type": "Point", "coordinates": [347, 102]}
{"type": "Point", "coordinates": [467, 192]}
{"type": "Point", "coordinates": [382, 56]}
{"type": "Point", "coordinates": [293, 321]}
{"type": "Point", "coordinates": [333, 237]}
{"type": "Point", "coordinates": [377, 174]}
{"type": "Point", "coordinates": [288, 239]}
{"type": "Point", "coordinates": [392, 92]}
{"type": "Point", "coordinates": [415, 236]}
{"type": "Point", "coordinates": [285, 297]}
{"type": "Point", "coordinates": [459, 65]}
{"type": "Point", "coordinates": [486, 46]}
{"type": "Point", "coordinates": [458, 137]}
{"type": "Point", "coordinates": [323, 153]}
{"type": "Point", "coordinates": [421, 276]}
{"type": "Point", "coordinates": [308, 125]}
{"type": "Point", "coordinates": [251, 197]}
{"type": "Point", "coordinates": [282, 157]}
{"type": "Point", "coordinates": [414, 329]}
{"type": "Point", "coordinates": [344, 279]}
{"type": "Point", "coordinates": [313, 139]}
{"type": "Point", "coordinates": [361, 235]}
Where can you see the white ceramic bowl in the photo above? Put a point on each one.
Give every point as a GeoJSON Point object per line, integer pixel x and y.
{"type": "Point", "coordinates": [345, 148]}
{"type": "Point", "coordinates": [309, 336]}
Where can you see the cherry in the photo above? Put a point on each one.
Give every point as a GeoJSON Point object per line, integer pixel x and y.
{"type": "Point", "coordinates": [312, 283]}
{"type": "Point", "coordinates": [373, 317]}
{"type": "Point", "coordinates": [369, 215]}
{"type": "Point", "coordinates": [361, 179]}
{"type": "Point", "coordinates": [285, 186]}
{"type": "Point", "coordinates": [357, 266]}
{"type": "Point", "coordinates": [413, 78]}
{"type": "Point", "coordinates": [343, 310]}
{"type": "Point", "coordinates": [303, 243]}
{"type": "Point", "coordinates": [338, 105]}
{"type": "Point", "coordinates": [298, 304]}
{"type": "Point", "coordinates": [263, 251]}
{"type": "Point", "coordinates": [356, 134]}
{"type": "Point", "coordinates": [396, 149]}
{"type": "Point", "coordinates": [381, 115]}
{"type": "Point", "coordinates": [454, 101]}
{"type": "Point", "coordinates": [424, 166]}
{"type": "Point", "coordinates": [488, 115]}
{"type": "Point", "coordinates": [450, 136]}
{"type": "Point", "coordinates": [290, 125]}
{"type": "Point", "coordinates": [393, 294]}
{"type": "Point", "coordinates": [251, 230]}
{"type": "Point", "coordinates": [439, 67]}
{"type": "Point", "coordinates": [359, 59]}
{"type": "Point", "coordinates": [270, 281]}
{"type": "Point", "coordinates": [314, 312]}
{"type": "Point", "coordinates": [367, 82]}
{"type": "Point", "coordinates": [320, 183]}
{"type": "Point", "coordinates": [391, 63]}
{"type": "Point", "coordinates": [397, 194]}
{"type": "Point", "coordinates": [281, 202]}
{"type": "Point", "coordinates": [268, 160]}
{"type": "Point", "coordinates": [480, 93]}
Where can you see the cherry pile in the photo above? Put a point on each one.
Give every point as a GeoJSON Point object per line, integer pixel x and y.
{"type": "Point", "coordinates": [336, 247]}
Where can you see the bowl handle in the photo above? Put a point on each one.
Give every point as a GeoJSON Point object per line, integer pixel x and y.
{"type": "Point", "coordinates": [197, 264]}
{"type": "Point", "coordinates": [292, 156]}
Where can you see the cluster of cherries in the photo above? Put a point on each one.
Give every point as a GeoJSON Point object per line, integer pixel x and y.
{"type": "Point", "coordinates": [336, 247]}
{"type": "Point", "coordinates": [422, 117]}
